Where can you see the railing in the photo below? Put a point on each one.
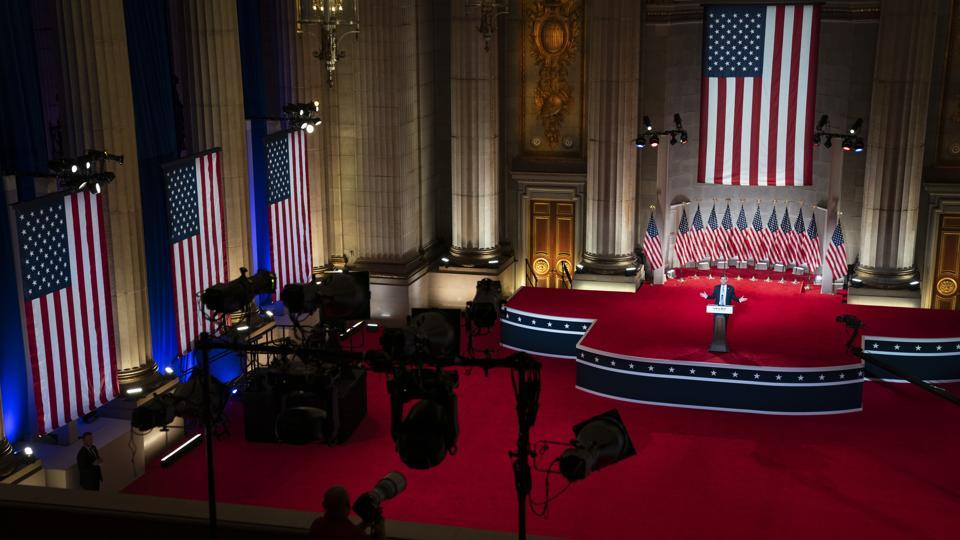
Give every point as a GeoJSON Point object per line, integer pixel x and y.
{"type": "Point", "coordinates": [532, 280]}
{"type": "Point", "coordinates": [566, 280]}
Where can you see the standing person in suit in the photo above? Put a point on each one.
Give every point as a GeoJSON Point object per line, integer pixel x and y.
{"type": "Point", "coordinates": [88, 461]}
{"type": "Point", "coordinates": [723, 294]}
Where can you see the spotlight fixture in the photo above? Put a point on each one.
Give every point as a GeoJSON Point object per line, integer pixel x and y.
{"type": "Point", "coordinates": [484, 309]}
{"type": "Point", "coordinates": [652, 138]}
{"type": "Point", "coordinates": [847, 144]}
{"type": "Point", "coordinates": [430, 428]}
{"type": "Point", "coordinates": [304, 115]}
{"type": "Point", "coordinates": [28, 451]}
{"type": "Point", "coordinates": [816, 139]}
{"type": "Point", "coordinates": [856, 126]}
{"type": "Point", "coordinates": [827, 143]}
{"type": "Point", "coordinates": [654, 141]}
{"type": "Point", "coordinates": [83, 173]}
{"type": "Point", "coordinates": [647, 123]}
{"type": "Point", "coordinates": [641, 142]}
{"type": "Point", "coordinates": [823, 122]}
{"type": "Point", "coordinates": [338, 296]}
{"type": "Point", "coordinates": [858, 146]}
{"type": "Point", "coordinates": [236, 295]}
{"type": "Point", "coordinates": [914, 283]}
{"type": "Point", "coordinates": [673, 139]}
{"type": "Point", "coordinates": [683, 137]}
{"type": "Point", "coordinates": [168, 370]}
{"type": "Point", "coordinates": [600, 441]}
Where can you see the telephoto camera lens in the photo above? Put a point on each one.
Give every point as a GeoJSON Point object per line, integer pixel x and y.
{"type": "Point", "coordinates": [367, 505]}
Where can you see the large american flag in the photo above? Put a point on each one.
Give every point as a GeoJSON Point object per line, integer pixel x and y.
{"type": "Point", "coordinates": [837, 254]}
{"type": "Point", "coordinates": [197, 236]}
{"type": "Point", "coordinates": [683, 246]}
{"type": "Point", "coordinates": [812, 244]}
{"type": "Point", "coordinates": [757, 97]}
{"type": "Point", "coordinates": [288, 198]}
{"type": "Point", "coordinates": [652, 249]}
{"type": "Point", "coordinates": [759, 247]}
{"type": "Point", "coordinates": [68, 312]}
{"type": "Point", "coordinates": [739, 236]}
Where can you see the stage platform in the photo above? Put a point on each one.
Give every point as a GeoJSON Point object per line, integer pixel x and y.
{"type": "Point", "coordinates": [787, 352]}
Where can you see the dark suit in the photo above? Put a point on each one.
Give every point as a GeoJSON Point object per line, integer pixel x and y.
{"type": "Point", "coordinates": [90, 474]}
{"type": "Point", "coordinates": [724, 299]}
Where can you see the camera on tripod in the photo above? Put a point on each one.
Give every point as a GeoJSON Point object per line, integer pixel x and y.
{"type": "Point", "coordinates": [367, 506]}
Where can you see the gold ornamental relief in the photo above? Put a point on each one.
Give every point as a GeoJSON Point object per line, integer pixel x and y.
{"type": "Point", "coordinates": [554, 34]}
{"type": "Point", "coordinates": [541, 266]}
{"type": "Point", "coordinates": [946, 286]}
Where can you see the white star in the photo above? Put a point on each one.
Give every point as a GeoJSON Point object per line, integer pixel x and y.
{"type": "Point", "coordinates": [566, 325]}
{"type": "Point", "coordinates": [519, 319]}
{"type": "Point", "coordinates": [549, 323]}
{"type": "Point", "coordinates": [860, 373]}
{"type": "Point", "coordinates": [671, 370]}
{"type": "Point", "coordinates": [799, 377]}
{"type": "Point", "coordinates": [735, 374]}
{"type": "Point", "coordinates": [692, 371]}
{"type": "Point", "coordinates": [584, 327]}
{"type": "Point", "coordinates": [756, 375]}
{"type": "Point", "coordinates": [822, 376]}
{"type": "Point", "coordinates": [876, 345]}
{"type": "Point", "coordinates": [778, 377]}
{"type": "Point", "coordinates": [612, 363]}
{"type": "Point", "coordinates": [533, 321]}
{"type": "Point", "coordinates": [917, 347]}
{"type": "Point", "coordinates": [713, 372]}
{"type": "Point", "coordinates": [581, 354]}
{"type": "Point", "coordinates": [596, 358]}
{"type": "Point", "coordinates": [843, 375]}
{"type": "Point", "coordinates": [939, 347]}
{"type": "Point", "coordinates": [649, 368]}
{"type": "Point", "coordinates": [896, 347]}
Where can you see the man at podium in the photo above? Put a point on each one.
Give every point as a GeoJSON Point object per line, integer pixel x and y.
{"type": "Point", "coordinates": [724, 294]}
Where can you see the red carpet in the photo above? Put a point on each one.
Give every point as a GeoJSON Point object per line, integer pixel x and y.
{"type": "Point", "coordinates": [888, 472]}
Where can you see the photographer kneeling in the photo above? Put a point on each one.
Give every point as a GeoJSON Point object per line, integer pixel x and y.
{"type": "Point", "coordinates": [335, 523]}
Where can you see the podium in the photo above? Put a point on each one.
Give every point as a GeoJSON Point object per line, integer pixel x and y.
{"type": "Point", "coordinates": [720, 313]}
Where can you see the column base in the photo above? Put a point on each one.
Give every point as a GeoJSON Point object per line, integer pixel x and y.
{"type": "Point", "coordinates": [143, 376]}
{"type": "Point", "coordinates": [471, 257]}
{"type": "Point", "coordinates": [5, 447]}
{"type": "Point", "coordinates": [608, 264]}
{"type": "Point", "coordinates": [885, 278]}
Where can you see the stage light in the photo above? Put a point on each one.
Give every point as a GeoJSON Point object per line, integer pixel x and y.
{"type": "Point", "coordinates": [600, 441]}
{"type": "Point", "coordinates": [268, 313]}
{"type": "Point", "coordinates": [823, 122]}
{"type": "Point", "coordinates": [677, 122]}
{"type": "Point", "coordinates": [828, 142]}
{"type": "Point", "coordinates": [134, 391]}
{"type": "Point", "coordinates": [301, 112]}
{"type": "Point", "coordinates": [856, 280]}
{"type": "Point", "coordinates": [858, 146]}
{"type": "Point", "coordinates": [82, 185]}
{"type": "Point", "coordinates": [816, 140]}
{"type": "Point", "coordinates": [429, 430]}
{"type": "Point", "coordinates": [28, 451]}
{"type": "Point", "coordinates": [234, 391]}
{"type": "Point", "coordinates": [847, 144]}
{"type": "Point", "coordinates": [484, 309]}
{"type": "Point", "coordinates": [914, 283]}
{"type": "Point", "coordinates": [579, 266]}
{"type": "Point", "coordinates": [647, 123]}
{"type": "Point", "coordinates": [74, 168]}
{"type": "Point", "coordinates": [235, 295]}
{"type": "Point", "coordinates": [372, 325]}
{"type": "Point", "coordinates": [168, 370]}
{"type": "Point", "coordinates": [242, 328]}
{"type": "Point", "coordinates": [168, 459]}
{"type": "Point", "coordinates": [338, 296]}
{"type": "Point", "coordinates": [87, 165]}
{"type": "Point", "coordinates": [654, 141]}
{"type": "Point", "coordinates": [317, 122]}
{"type": "Point", "coordinates": [494, 261]}
{"type": "Point", "coordinates": [367, 506]}
{"type": "Point", "coordinates": [630, 269]}
{"type": "Point", "coordinates": [98, 187]}
{"type": "Point", "coordinates": [316, 105]}
{"type": "Point", "coordinates": [641, 141]}
{"type": "Point", "coordinates": [445, 260]}
{"type": "Point", "coordinates": [310, 128]}
{"type": "Point", "coordinates": [683, 137]}
{"type": "Point", "coordinates": [673, 139]}
{"type": "Point", "coordinates": [856, 126]}
{"type": "Point", "coordinates": [303, 125]}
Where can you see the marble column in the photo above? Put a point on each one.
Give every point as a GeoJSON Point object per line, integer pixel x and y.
{"type": "Point", "coordinates": [98, 114]}
{"type": "Point", "coordinates": [474, 145]}
{"type": "Point", "coordinates": [304, 81]}
{"type": "Point", "coordinates": [387, 183]}
{"type": "Point", "coordinates": [212, 93]}
{"type": "Point", "coordinates": [895, 143]}
{"type": "Point", "coordinates": [613, 31]}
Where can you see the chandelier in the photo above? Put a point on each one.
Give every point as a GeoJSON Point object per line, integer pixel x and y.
{"type": "Point", "coordinates": [337, 19]}
{"type": "Point", "coordinates": [489, 11]}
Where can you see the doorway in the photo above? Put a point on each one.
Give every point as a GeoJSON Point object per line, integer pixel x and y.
{"type": "Point", "coordinates": [552, 234]}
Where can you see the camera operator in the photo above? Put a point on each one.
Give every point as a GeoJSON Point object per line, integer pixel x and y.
{"type": "Point", "coordinates": [335, 523]}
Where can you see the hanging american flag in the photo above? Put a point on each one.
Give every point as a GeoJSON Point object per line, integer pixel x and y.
{"type": "Point", "coordinates": [718, 245]}
{"type": "Point", "coordinates": [198, 256]}
{"type": "Point", "coordinates": [728, 231]}
{"type": "Point", "coordinates": [757, 94]}
{"type": "Point", "coordinates": [798, 241]}
{"type": "Point", "coordinates": [837, 254]}
{"type": "Point", "coordinates": [683, 246]}
{"type": "Point", "coordinates": [756, 239]}
{"type": "Point", "coordinates": [288, 197]}
{"type": "Point", "coordinates": [652, 249]}
{"type": "Point", "coordinates": [782, 238]}
{"type": "Point", "coordinates": [701, 240]}
{"type": "Point", "coordinates": [68, 311]}
{"type": "Point", "coordinates": [739, 236]}
{"type": "Point", "coordinates": [812, 244]}
{"type": "Point", "coordinates": [770, 236]}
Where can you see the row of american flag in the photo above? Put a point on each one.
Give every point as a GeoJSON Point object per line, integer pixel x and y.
{"type": "Point", "coordinates": [781, 240]}
{"type": "Point", "coordinates": [65, 272]}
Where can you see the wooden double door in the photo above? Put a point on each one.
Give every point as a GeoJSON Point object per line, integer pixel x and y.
{"type": "Point", "coordinates": [552, 234]}
{"type": "Point", "coordinates": [946, 280]}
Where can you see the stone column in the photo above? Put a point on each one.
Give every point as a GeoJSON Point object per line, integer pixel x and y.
{"type": "Point", "coordinates": [212, 95]}
{"type": "Point", "coordinates": [305, 80]}
{"type": "Point", "coordinates": [387, 194]}
{"type": "Point", "coordinates": [895, 145]}
{"type": "Point", "coordinates": [474, 145]}
{"type": "Point", "coordinates": [613, 84]}
{"type": "Point", "coordinates": [98, 114]}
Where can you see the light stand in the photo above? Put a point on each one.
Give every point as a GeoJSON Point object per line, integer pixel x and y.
{"type": "Point", "coordinates": [204, 345]}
